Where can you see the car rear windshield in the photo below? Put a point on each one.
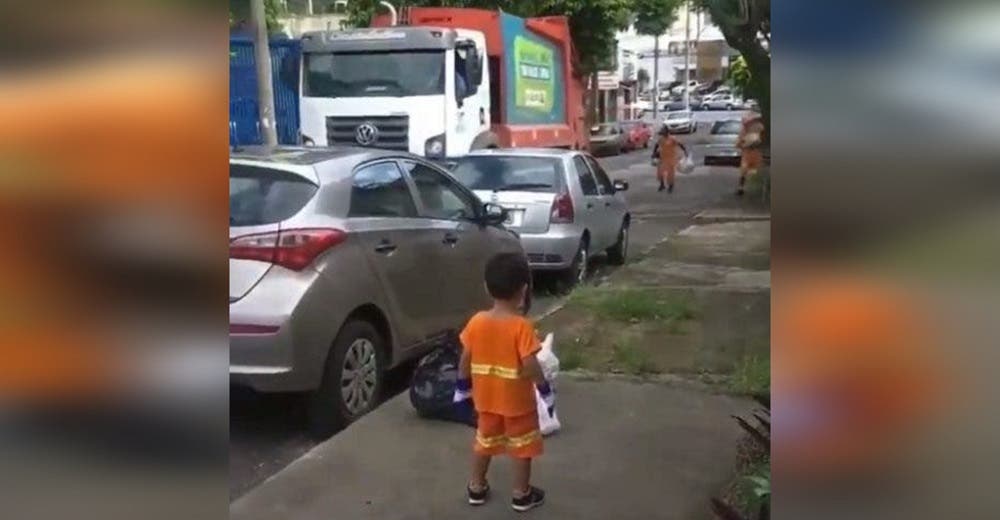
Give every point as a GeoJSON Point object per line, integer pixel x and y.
{"type": "Point", "coordinates": [542, 174]}
{"type": "Point", "coordinates": [265, 196]}
{"type": "Point", "coordinates": [726, 127]}
{"type": "Point", "coordinates": [604, 130]}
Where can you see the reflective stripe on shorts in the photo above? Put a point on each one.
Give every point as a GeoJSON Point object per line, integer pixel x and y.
{"type": "Point", "coordinates": [524, 440]}
{"type": "Point", "coordinates": [510, 442]}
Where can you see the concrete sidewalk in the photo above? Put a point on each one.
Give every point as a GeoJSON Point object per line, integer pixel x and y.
{"type": "Point", "coordinates": [627, 450]}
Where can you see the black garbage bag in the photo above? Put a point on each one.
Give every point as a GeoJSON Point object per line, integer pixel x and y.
{"type": "Point", "coordinates": [433, 386]}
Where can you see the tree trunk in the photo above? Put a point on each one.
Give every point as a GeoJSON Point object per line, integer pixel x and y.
{"type": "Point", "coordinates": [744, 40]}
{"type": "Point", "coordinates": [656, 80]}
{"type": "Point", "coordinates": [262, 59]}
{"type": "Point", "coordinates": [592, 112]}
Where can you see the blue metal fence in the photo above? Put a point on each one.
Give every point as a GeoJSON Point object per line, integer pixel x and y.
{"type": "Point", "coordinates": [243, 110]}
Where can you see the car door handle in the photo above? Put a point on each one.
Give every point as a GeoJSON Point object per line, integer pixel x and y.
{"type": "Point", "coordinates": [590, 205]}
{"type": "Point", "coordinates": [385, 247]}
{"type": "Point", "coordinates": [449, 238]}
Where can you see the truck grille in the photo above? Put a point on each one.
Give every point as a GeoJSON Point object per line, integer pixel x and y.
{"type": "Point", "coordinates": [392, 132]}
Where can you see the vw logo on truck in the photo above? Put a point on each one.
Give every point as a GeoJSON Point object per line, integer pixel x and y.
{"type": "Point", "coordinates": [366, 134]}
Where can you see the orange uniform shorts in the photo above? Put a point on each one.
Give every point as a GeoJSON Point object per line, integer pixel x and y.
{"type": "Point", "coordinates": [518, 436]}
{"type": "Point", "coordinates": [751, 160]}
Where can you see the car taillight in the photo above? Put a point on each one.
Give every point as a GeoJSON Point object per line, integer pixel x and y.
{"type": "Point", "coordinates": [562, 209]}
{"type": "Point", "coordinates": [294, 249]}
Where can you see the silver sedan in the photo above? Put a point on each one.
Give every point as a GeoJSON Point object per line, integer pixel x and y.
{"type": "Point", "coordinates": [561, 202]}
{"type": "Point", "coordinates": [344, 262]}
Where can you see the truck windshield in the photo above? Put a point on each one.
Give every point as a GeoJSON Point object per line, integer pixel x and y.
{"type": "Point", "coordinates": [368, 74]}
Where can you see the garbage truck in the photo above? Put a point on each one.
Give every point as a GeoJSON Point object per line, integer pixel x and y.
{"type": "Point", "coordinates": [440, 82]}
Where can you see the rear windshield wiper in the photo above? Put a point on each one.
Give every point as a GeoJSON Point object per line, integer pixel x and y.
{"type": "Point", "coordinates": [523, 186]}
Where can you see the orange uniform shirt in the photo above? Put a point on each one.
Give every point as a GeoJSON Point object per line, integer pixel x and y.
{"type": "Point", "coordinates": [752, 158]}
{"type": "Point", "coordinates": [668, 150]}
{"type": "Point", "coordinates": [496, 345]}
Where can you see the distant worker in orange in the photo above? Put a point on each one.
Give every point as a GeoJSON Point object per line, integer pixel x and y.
{"type": "Point", "coordinates": [666, 152]}
{"type": "Point", "coordinates": [749, 142]}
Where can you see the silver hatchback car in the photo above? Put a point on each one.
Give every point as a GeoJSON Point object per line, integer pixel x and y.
{"type": "Point", "coordinates": [560, 202]}
{"type": "Point", "coordinates": [344, 262]}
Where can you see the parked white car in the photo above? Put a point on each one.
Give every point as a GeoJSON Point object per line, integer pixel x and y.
{"type": "Point", "coordinates": [692, 85]}
{"type": "Point", "coordinates": [560, 202]}
{"type": "Point", "coordinates": [721, 102]}
{"type": "Point", "coordinates": [680, 121]}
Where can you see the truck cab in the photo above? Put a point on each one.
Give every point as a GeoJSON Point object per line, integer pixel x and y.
{"type": "Point", "coordinates": [420, 89]}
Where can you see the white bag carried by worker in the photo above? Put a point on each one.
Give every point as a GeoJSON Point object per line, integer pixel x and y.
{"type": "Point", "coordinates": [685, 165]}
{"type": "Point", "coordinates": [547, 423]}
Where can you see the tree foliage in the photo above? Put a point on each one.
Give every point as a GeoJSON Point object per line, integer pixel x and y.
{"type": "Point", "coordinates": [746, 25]}
{"type": "Point", "coordinates": [654, 17]}
{"type": "Point", "coordinates": [593, 23]}
{"type": "Point", "coordinates": [739, 75]}
{"type": "Point", "coordinates": [239, 14]}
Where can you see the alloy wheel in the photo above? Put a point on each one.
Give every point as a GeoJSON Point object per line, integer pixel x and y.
{"type": "Point", "coordinates": [581, 268]}
{"type": "Point", "coordinates": [359, 376]}
{"type": "Point", "coordinates": [624, 243]}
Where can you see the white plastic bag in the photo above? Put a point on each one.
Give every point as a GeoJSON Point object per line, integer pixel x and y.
{"type": "Point", "coordinates": [547, 424]}
{"type": "Point", "coordinates": [685, 165]}
{"type": "Point", "coordinates": [550, 367]}
{"type": "Point", "coordinates": [548, 360]}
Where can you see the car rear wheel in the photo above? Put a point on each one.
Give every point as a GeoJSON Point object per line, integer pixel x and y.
{"type": "Point", "coordinates": [352, 379]}
{"type": "Point", "coordinates": [577, 272]}
{"type": "Point", "coordinates": [618, 252]}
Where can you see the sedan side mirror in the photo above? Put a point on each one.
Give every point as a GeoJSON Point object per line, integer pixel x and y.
{"type": "Point", "coordinates": [493, 214]}
{"type": "Point", "coordinates": [621, 185]}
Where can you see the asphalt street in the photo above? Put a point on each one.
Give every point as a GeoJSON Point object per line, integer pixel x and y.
{"type": "Point", "coordinates": [267, 432]}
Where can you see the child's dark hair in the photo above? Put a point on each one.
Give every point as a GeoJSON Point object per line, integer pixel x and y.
{"type": "Point", "coordinates": [506, 274]}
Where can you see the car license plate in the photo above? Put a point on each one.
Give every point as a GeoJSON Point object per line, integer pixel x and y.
{"type": "Point", "coordinates": [514, 217]}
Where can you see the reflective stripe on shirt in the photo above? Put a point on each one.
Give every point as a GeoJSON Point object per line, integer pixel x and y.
{"type": "Point", "coordinates": [495, 370]}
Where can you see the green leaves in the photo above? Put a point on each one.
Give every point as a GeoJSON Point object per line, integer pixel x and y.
{"type": "Point", "coordinates": [654, 17]}
{"type": "Point", "coordinates": [739, 75]}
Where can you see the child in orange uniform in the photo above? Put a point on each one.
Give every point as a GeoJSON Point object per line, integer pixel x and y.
{"type": "Point", "coordinates": [499, 347]}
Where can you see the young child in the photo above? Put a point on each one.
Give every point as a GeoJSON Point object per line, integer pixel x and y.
{"type": "Point", "coordinates": [498, 366]}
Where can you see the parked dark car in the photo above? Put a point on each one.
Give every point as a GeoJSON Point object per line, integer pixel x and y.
{"type": "Point", "coordinates": [608, 139]}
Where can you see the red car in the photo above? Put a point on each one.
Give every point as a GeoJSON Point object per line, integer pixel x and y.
{"type": "Point", "coordinates": [638, 134]}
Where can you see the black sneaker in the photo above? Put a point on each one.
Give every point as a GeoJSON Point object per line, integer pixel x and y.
{"type": "Point", "coordinates": [670, 188]}
{"type": "Point", "coordinates": [478, 498]}
{"type": "Point", "coordinates": [533, 499]}
{"type": "Point", "coordinates": [660, 188]}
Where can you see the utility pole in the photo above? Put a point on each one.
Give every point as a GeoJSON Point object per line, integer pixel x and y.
{"type": "Point", "coordinates": [262, 57]}
{"type": "Point", "coordinates": [687, 55]}
{"type": "Point", "coordinates": [656, 79]}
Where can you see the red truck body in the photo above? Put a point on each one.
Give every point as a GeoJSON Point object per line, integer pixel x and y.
{"type": "Point", "coordinates": [571, 133]}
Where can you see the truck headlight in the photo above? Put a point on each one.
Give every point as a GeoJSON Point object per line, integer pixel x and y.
{"type": "Point", "coordinates": [435, 146]}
